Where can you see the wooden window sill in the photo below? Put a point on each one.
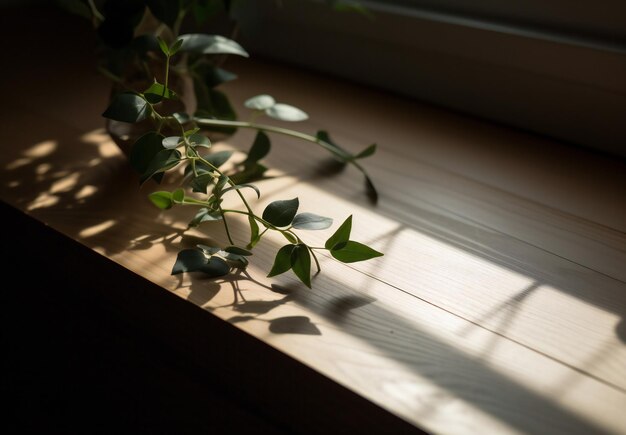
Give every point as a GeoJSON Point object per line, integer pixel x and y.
{"type": "Point", "coordinates": [499, 305]}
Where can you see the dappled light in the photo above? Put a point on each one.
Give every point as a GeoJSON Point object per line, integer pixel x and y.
{"type": "Point", "coordinates": [492, 307]}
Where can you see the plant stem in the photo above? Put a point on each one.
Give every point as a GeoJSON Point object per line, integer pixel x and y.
{"type": "Point", "coordinates": [167, 73]}
{"type": "Point", "coordinates": [317, 263]}
{"type": "Point", "coordinates": [280, 130]}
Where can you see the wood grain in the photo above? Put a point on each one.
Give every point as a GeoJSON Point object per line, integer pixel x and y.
{"type": "Point", "coordinates": [499, 305]}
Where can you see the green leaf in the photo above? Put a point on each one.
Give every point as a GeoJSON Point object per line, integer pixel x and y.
{"type": "Point", "coordinates": [144, 150]}
{"type": "Point", "coordinates": [211, 44]}
{"type": "Point", "coordinates": [290, 237]}
{"type": "Point", "coordinates": [282, 262]}
{"type": "Point", "coordinates": [201, 140]}
{"type": "Point", "coordinates": [171, 142]}
{"type": "Point", "coordinates": [127, 107]}
{"type": "Point", "coordinates": [310, 221]}
{"type": "Point", "coordinates": [260, 102]}
{"type": "Point", "coordinates": [239, 261]}
{"type": "Point", "coordinates": [189, 260]}
{"type": "Point", "coordinates": [209, 250]}
{"type": "Point", "coordinates": [216, 267]}
{"type": "Point", "coordinates": [165, 11]}
{"type": "Point", "coordinates": [201, 183]}
{"type": "Point", "coordinates": [178, 196]}
{"type": "Point", "coordinates": [162, 200]}
{"type": "Point", "coordinates": [301, 263]}
{"type": "Point", "coordinates": [175, 46]}
{"type": "Point", "coordinates": [205, 215]}
{"type": "Point", "coordinates": [254, 232]}
{"type": "Point", "coordinates": [213, 104]}
{"type": "Point", "coordinates": [342, 235]}
{"type": "Point", "coordinates": [163, 161]}
{"type": "Point", "coordinates": [164, 47]}
{"type": "Point", "coordinates": [285, 112]}
{"type": "Point", "coordinates": [238, 251]}
{"type": "Point", "coordinates": [156, 92]}
{"type": "Point", "coordinates": [259, 149]}
{"type": "Point", "coordinates": [351, 252]}
{"type": "Point", "coordinates": [281, 213]}
{"type": "Point", "coordinates": [338, 151]}
{"type": "Point", "coordinates": [194, 260]}
{"type": "Point", "coordinates": [370, 150]}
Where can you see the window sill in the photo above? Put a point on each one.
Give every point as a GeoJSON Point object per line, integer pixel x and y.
{"type": "Point", "coordinates": [498, 306]}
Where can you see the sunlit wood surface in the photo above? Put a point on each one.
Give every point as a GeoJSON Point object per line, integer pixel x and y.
{"type": "Point", "coordinates": [500, 303]}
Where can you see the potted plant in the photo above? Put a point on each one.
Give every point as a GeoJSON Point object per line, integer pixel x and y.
{"type": "Point", "coordinates": [166, 105]}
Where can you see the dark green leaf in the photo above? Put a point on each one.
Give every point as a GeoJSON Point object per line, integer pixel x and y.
{"type": "Point", "coordinates": [201, 183]}
{"type": "Point", "coordinates": [310, 221]}
{"type": "Point", "coordinates": [211, 44]}
{"type": "Point", "coordinates": [338, 151]}
{"type": "Point", "coordinates": [260, 148]}
{"type": "Point", "coordinates": [205, 215]}
{"type": "Point", "coordinates": [163, 161]}
{"type": "Point", "coordinates": [241, 186]}
{"type": "Point", "coordinates": [301, 264]}
{"type": "Point", "coordinates": [370, 150]}
{"type": "Point", "coordinates": [254, 232]}
{"type": "Point", "coordinates": [282, 262]}
{"type": "Point", "coordinates": [156, 92]}
{"type": "Point", "coordinates": [260, 102]}
{"type": "Point", "coordinates": [216, 267]}
{"type": "Point", "coordinates": [238, 251]}
{"type": "Point", "coordinates": [351, 252]}
{"type": "Point", "coordinates": [162, 200]}
{"type": "Point", "coordinates": [127, 107]}
{"type": "Point", "coordinates": [197, 139]}
{"type": "Point", "coordinates": [144, 150]}
{"type": "Point", "coordinates": [281, 213]}
{"type": "Point", "coordinates": [194, 260]}
{"type": "Point", "coordinates": [213, 104]}
{"type": "Point", "coordinates": [165, 11]}
{"type": "Point", "coordinates": [175, 46]}
{"type": "Point", "coordinates": [239, 261]}
{"type": "Point", "coordinates": [209, 250]}
{"type": "Point", "coordinates": [189, 260]}
{"type": "Point", "coordinates": [163, 45]}
{"type": "Point", "coordinates": [171, 142]}
{"type": "Point", "coordinates": [285, 112]}
{"type": "Point", "coordinates": [342, 235]}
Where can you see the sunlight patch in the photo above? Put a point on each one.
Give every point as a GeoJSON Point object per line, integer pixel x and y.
{"type": "Point", "coordinates": [96, 229]}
